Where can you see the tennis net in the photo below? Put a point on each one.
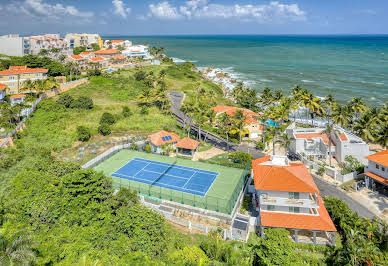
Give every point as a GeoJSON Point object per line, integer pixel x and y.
{"type": "Point", "coordinates": [164, 172]}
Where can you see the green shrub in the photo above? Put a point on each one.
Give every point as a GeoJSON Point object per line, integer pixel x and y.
{"type": "Point", "coordinates": [104, 129]}
{"type": "Point", "coordinates": [94, 73]}
{"type": "Point", "coordinates": [107, 118]}
{"type": "Point", "coordinates": [147, 148]}
{"type": "Point", "coordinates": [83, 133]}
{"type": "Point", "coordinates": [82, 103]}
{"type": "Point", "coordinates": [260, 145]}
{"type": "Point", "coordinates": [321, 171]}
{"type": "Point", "coordinates": [126, 112]}
{"type": "Point", "coordinates": [65, 100]}
{"type": "Point", "coordinates": [144, 110]}
{"type": "Point", "coordinates": [140, 75]}
{"type": "Point", "coordinates": [240, 157]}
{"type": "Point", "coordinates": [134, 147]}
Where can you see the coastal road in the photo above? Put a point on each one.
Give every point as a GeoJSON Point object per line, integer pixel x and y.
{"type": "Point", "coordinates": [330, 190]}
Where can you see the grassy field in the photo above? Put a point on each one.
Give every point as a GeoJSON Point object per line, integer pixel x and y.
{"type": "Point", "coordinates": [220, 197]}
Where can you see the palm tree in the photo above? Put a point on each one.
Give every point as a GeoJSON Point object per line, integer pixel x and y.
{"type": "Point", "coordinates": [382, 137]}
{"type": "Point", "coordinates": [28, 86]}
{"type": "Point", "coordinates": [200, 118]}
{"type": "Point", "coordinates": [274, 133]}
{"type": "Point", "coordinates": [278, 95]}
{"type": "Point", "coordinates": [340, 115]}
{"type": "Point", "coordinates": [285, 142]}
{"type": "Point", "coordinates": [329, 130]}
{"type": "Point", "coordinates": [266, 97]}
{"type": "Point", "coordinates": [239, 119]}
{"type": "Point", "coordinates": [356, 106]}
{"type": "Point", "coordinates": [313, 104]}
{"type": "Point", "coordinates": [15, 248]}
{"type": "Point", "coordinates": [146, 97]}
{"type": "Point", "coordinates": [223, 123]}
{"type": "Point", "coordinates": [186, 108]}
{"type": "Point", "coordinates": [366, 127]}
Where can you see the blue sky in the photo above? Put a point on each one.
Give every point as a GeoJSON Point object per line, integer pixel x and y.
{"type": "Point", "coordinates": [161, 17]}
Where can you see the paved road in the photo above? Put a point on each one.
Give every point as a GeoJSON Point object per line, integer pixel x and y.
{"type": "Point", "coordinates": [330, 190]}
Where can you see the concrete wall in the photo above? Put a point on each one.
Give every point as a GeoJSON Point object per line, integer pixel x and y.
{"type": "Point", "coordinates": [12, 46]}
{"type": "Point", "coordinates": [372, 168]}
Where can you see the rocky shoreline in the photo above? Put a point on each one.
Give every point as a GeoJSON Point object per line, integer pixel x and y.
{"type": "Point", "coordinates": [222, 78]}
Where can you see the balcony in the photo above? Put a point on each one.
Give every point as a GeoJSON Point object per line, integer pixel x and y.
{"type": "Point", "coordinates": [312, 202]}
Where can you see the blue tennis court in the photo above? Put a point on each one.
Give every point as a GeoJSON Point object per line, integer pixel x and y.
{"type": "Point", "coordinates": [181, 178]}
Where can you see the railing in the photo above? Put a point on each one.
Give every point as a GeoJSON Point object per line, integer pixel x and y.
{"type": "Point", "coordinates": [307, 203]}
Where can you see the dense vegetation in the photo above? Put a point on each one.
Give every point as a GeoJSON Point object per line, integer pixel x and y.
{"type": "Point", "coordinates": [52, 212]}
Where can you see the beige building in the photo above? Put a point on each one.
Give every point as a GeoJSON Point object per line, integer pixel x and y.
{"type": "Point", "coordinates": [16, 75]}
{"type": "Point", "coordinates": [83, 39]}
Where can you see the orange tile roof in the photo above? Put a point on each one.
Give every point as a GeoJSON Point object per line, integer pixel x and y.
{"type": "Point", "coordinates": [311, 136]}
{"type": "Point", "coordinates": [156, 138]}
{"type": "Point", "coordinates": [119, 57]}
{"type": "Point", "coordinates": [378, 178]}
{"type": "Point", "coordinates": [230, 111]}
{"type": "Point", "coordinates": [187, 143]}
{"type": "Point", "coordinates": [22, 70]}
{"type": "Point", "coordinates": [116, 41]}
{"type": "Point", "coordinates": [293, 178]}
{"type": "Point", "coordinates": [17, 96]}
{"type": "Point", "coordinates": [321, 222]}
{"type": "Point", "coordinates": [85, 53]}
{"type": "Point", "coordinates": [343, 136]}
{"type": "Point", "coordinates": [2, 86]}
{"type": "Point", "coordinates": [379, 157]}
{"type": "Point", "coordinates": [96, 59]}
{"type": "Point", "coordinates": [107, 51]}
{"type": "Point", "coordinates": [76, 57]}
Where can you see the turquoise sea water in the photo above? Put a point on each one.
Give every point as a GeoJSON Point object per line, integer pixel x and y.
{"type": "Point", "coordinates": [345, 66]}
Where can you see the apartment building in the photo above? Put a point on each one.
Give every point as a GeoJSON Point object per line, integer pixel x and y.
{"type": "Point", "coordinates": [376, 173]}
{"type": "Point", "coordinates": [116, 43]}
{"type": "Point", "coordinates": [83, 39]}
{"type": "Point", "coordinates": [314, 142]}
{"type": "Point", "coordinates": [140, 51]}
{"type": "Point", "coordinates": [15, 45]}
{"type": "Point", "coordinates": [16, 75]}
{"type": "Point", "coordinates": [2, 92]}
{"type": "Point", "coordinates": [286, 196]}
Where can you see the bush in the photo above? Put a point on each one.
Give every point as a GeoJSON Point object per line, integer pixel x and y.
{"type": "Point", "coordinates": [104, 129]}
{"type": "Point", "coordinates": [78, 50]}
{"type": "Point", "coordinates": [140, 75]}
{"type": "Point", "coordinates": [321, 171]}
{"type": "Point", "coordinates": [65, 100]}
{"type": "Point", "coordinates": [107, 118]}
{"type": "Point", "coordinates": [147, 148]}
{"type": "Point", "coordinates": [240, 157]}
{"type": "Point", "coordinates": [94, 73]}
{"type": "Point", "coordinates": [260, 145]}
{"type": "Point", "coordinates": [134, 147]}
{"type": "Point", "coordinates": [126, 111]}
{"type": "Point", "coordinates": [144, 110]}
{"type": "Point", "coordinates": [82, 103]}
{"type": "Point", "coordinates": [83, 133]}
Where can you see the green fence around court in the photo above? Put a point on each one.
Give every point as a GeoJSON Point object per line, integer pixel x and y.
{"type": "Point", "coordinates": [204, 202]}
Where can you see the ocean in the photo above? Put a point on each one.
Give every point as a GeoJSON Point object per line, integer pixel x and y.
{"type": "Point", "coordinates": [344, 66]}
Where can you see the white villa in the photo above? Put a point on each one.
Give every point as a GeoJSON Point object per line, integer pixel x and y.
{"type": "Point", "coordinates": [137, 51]}
{"type": "Point", "coordinates": [376, 173]}
{"type": "Point", "coordinates": [314, 142]}
{"type": "Point", "coordinates": [286, 196]}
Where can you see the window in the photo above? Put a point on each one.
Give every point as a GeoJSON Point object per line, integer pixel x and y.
{"type": "Point", "coordinates": [293, 195]}
{"type": "Point", "coordinates": [11, 78]}
{"type": "Point", "coordinates": [294, 209]}
{"type": "Point", "coordinates": [37, 74]}
{"type": "Point", "coordinates": [377, 166]}
{"type": "Point", "coordinates": [270, 207]}
{"type": "Point", "coordinates": [383, 169]}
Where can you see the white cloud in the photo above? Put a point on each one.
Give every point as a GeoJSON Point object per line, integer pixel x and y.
{"type": "Point", "coordinates": [271, 12]}
{"type": "Point", "coordinates": [38, 10]}
{"type": "Point", "coordinates": [120, 8]}
{"type": "Point", "coordinates": [164, 10]}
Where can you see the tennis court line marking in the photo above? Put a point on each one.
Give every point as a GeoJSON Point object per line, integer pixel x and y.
{"type": "Point", "coordinates": [189, 179]}
{"type": "Point", "coordinates": [126, 165]}
{"type": "Point", "coordinates": [165, 174]}
{"type": "Point", "coordinates": [177, 166]}
{"type": "Point", "coordinates": [200, 192]}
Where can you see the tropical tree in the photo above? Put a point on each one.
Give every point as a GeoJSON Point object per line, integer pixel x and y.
{"type": "Point", "coordinates": [15, 248]}
{"type": "Point", "coordinates": [329, 129]}
{"type": "Point", "coordinates": [200, 118]}
{"type": "Point", "coordinates": [146, 97]}
{"type": "Point", "coordinates": [340, 115]}
{"type": "Point", "coordinates": [223, 124]}
{"type": "Point", "coordinates": [366, 127]}
{"type": "Point", "coordinates": [274, 132]}
{"type": "Point", "coordinates": [285, 142]}
{"type": "Point", "coordinates": [239, 119]}
{"type": "Point", "coordinates": [186, 108]}
{"type": "Point", "coordinates": [266, 97]}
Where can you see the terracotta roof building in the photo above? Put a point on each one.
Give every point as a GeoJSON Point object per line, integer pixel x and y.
{"type": "Point", "coordinates": [252, 123]}
{"type": "Point", "coordinates": [107, 53]}
{"type": "Point", "coordinates": [16, 75]}
{"type": "Point", "coordinates": [187, 146]}
{"type": "Point", "coordinates": [286, 196]}
{"type": "Point", "coordinates": [160, 138]}
{"type": "Point", "coordinates": [376, 173]}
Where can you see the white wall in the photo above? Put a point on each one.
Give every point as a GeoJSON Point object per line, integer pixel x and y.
{"type": "Point", "coordinates": [372, 168]}
{"type": "Point", "coordinates": [11, 46]}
